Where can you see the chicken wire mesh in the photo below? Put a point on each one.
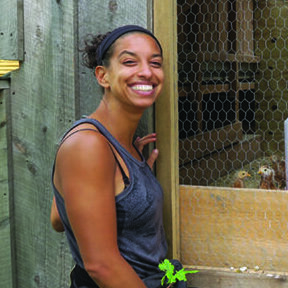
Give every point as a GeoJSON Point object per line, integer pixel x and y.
{"type": "Point", "coordinates": [232, 84]}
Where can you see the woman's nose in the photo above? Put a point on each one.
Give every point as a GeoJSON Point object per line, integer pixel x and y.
{"type": "Point", "coordinates": [145, 70]}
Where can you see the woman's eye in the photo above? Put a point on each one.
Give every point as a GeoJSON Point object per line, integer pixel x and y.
{"type": "Point", "coordinates": [129, 62]}
{"type": "Point", "coordinates": [156, 64]}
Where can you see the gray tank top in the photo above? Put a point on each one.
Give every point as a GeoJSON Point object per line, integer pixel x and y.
{"type": "Point", "coordinates": [141, 238]}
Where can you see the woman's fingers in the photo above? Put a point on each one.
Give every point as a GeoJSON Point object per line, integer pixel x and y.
{"type": "Point", "coordinates": [152, 158]}
{"type": "Point", "coordinates": [141, 142]}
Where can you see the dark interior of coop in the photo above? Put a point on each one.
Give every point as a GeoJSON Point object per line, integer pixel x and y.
{"type": "Point", "coordinates": [224, 107]}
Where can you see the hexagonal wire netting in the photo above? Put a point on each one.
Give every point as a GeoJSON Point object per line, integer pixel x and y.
{"type": "Point", "coordinates": [232, 82]}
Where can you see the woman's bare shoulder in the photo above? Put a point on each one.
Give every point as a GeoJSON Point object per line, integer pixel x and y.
{"type": "Point", "coordinates": [83, 138]}
{"type": "Point", "coordinates": [84, 150]}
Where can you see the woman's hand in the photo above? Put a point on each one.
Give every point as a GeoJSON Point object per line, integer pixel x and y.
{"type": "Point", "coordinates": [141, 142]}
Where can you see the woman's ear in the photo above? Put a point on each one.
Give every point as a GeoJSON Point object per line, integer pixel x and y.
{"type": "Point", "coordinates": [102, 76]}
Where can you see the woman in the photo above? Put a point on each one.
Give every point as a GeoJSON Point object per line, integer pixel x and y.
{"type": "Point", "coordinates": [107, 197]}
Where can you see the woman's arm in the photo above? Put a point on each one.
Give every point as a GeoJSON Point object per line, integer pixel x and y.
{"type": "Point", "coordinates": [85, 172]}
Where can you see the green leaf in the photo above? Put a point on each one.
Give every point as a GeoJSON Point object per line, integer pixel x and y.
{"type": "Point", "coordinates": [168, 268]}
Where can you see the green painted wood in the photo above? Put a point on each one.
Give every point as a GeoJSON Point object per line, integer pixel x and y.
{"type": "Point", "coordinates": [6, 263]}
{"type": "Point", "coordinates": [42, 107]}
{"type": "Point", "coordinates": [47, 94]}
{"type": "Point", "coordinates": [11, 29]}
{"type": "Point", "coordinates": [4, 84]}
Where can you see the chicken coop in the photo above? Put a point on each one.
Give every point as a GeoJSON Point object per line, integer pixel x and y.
{"type": "Point", "coordinates": [231, 104]}
{"type": "Point", "coordinates": [219, 121]}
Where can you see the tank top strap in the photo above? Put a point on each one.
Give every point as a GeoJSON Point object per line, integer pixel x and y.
{"type": "Point", "coordinates": [102, 130]}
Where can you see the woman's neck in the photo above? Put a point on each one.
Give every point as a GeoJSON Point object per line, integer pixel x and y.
{"type": "Point", "coordinates": [121, 124]}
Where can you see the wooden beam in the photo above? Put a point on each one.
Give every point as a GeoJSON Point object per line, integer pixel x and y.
{"type": "Point", "coordinates": [227, 278]}
{"type": "Point", "coordinates": [6, 263]}
{"type": "Point", "coordinates": [226, 227]}
{"type": "Point", "coordinates": [166, 120]}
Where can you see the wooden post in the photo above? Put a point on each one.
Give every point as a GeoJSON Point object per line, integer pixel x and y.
{"type": "Point", "coordinates": [6, 263]}
{"type": "Point", "coordinates": [166, 120]}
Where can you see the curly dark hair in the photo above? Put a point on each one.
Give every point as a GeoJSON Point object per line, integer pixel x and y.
{"type": "Point", "coordinates": [89, 57]}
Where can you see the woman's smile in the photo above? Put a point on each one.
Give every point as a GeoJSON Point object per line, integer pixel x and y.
{"type": "Point", "coordinates": [143, 87]}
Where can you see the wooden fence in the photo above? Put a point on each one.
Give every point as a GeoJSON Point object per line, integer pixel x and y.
{"type": "Point", "coordinates": [37, 103]}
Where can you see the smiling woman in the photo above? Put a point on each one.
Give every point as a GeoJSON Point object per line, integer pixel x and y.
{"type": "Point", "coordinates": [106, 197]}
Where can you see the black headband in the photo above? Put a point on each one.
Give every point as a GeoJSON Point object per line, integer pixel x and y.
{"type": "Point", "coordinates": [115, 34]}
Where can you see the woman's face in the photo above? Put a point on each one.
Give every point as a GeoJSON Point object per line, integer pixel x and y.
{"type": "Point", "coordinates": [135, 74]}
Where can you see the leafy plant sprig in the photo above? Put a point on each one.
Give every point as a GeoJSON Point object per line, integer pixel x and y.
{"type": "Point", "coordinates": [170, 275]}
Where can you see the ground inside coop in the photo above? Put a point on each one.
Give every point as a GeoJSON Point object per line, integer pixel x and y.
{"type": "Point", "coordinates": [250, 182]}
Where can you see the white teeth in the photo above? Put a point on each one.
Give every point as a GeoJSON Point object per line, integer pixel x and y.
{"type": "Point", "coordinates": [143, 87]}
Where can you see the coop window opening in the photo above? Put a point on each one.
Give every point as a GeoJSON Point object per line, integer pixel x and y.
{"type": "Point", "coordinates": [230, 94]}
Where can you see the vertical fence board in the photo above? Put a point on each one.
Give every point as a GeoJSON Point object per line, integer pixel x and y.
{"type": "Point", "coordinates": [167, 124]}
{"type": "Point", "coordinates": [11, 29]}
{"type": "Point", "coordinates": [42, 107]}
{"type": "Point", "coordinates": [6, 262]}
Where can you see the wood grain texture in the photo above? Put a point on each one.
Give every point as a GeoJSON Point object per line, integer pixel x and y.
{"type": "Point", "coordinates": [225, 278]}
{"type": "Point", "coordinates": [42, 107]}
{"type": "Point", "coordinates": [167, 121]}
{"type": "Point", "coordinates": [226, 227]}
{"type": "Point", "coordinates": [11, 30]}
{"type": "Point", "coordinates": [6, 263]}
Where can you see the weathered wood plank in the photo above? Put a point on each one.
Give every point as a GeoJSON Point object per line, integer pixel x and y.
{"type": "Point", "coordinates": [244, 27]}
{"type": "Point", "coordinates": [42, 107]}
{"type": "Point", "coordinates": [6, 263]}
{"type": "Point", "coordinates": [226, 227]}
{"type": "Point", "coordinates": [4, 84]}
{"type": "Point", "coordinates": [167, 121]}
{"type": "Point", "coordinates": [11, 30]}
{"type": "Point", "coordinates": [225, 278]}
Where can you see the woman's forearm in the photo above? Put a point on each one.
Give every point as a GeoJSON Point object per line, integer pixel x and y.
{"type": "Point", "coordinates": [116, 273]}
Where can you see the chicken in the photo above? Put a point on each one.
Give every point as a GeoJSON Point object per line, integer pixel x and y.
{"type": "Point", "coordinates": [267, 178]}
{"type": "Point", "coordinates": [239, 181]}
{"type": "Point", "coordinates": [278, 166]}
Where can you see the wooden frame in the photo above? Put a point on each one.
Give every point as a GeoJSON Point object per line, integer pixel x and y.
{"type": "Point", "coordinates": [229, 227]}
{"type": "Point", "coordinates": [166, 120]}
